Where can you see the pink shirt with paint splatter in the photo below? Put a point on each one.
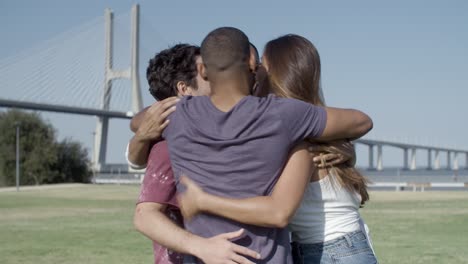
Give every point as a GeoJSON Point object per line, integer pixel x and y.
{"type": "Point", "coordinates": [159, 187]}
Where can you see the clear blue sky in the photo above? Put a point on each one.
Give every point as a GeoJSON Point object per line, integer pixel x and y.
{"type": "Point", "coordinates": [403, 62]}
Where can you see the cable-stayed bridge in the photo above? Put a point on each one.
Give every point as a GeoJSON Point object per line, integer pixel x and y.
{"type": "Point", "coordinates": [76, 72]}
{"type": "Point", "coordinates": [94, 69]}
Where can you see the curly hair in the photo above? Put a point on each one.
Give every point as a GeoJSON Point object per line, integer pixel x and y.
{"type": "Point", "coordinates": [170, 66]}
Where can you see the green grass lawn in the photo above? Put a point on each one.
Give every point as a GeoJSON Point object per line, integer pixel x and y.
{"type": "Point", "coordinates": [93, 224]}
{"type": "Point", "coordinates": [429, 227]}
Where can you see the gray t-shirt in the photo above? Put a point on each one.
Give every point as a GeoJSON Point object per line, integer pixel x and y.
{"type": "Point", "coordinates": [239, 154]}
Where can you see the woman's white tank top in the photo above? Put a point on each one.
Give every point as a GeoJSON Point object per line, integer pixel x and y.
{"type": "Point", "coordinates": [327, 211]}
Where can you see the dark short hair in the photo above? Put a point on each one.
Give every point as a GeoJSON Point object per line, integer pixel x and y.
{"type": "Point", "coordinates": [224, 48]}
{"type": "Point", "coordinates": [170, 66]}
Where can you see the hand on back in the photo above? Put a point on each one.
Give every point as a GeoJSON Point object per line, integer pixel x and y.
{"type": "Point", "coordinates": [219, 250]}
{"type": "Point", "coordinates": [151, 127]}
{"type": "Point", "coordinates": [189, 200]}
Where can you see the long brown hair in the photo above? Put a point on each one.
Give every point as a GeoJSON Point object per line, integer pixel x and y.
{"type": "Point", "coordinates": [345, 173]}
{"type": "Point", "coordinates": [294, 68]}
{"type": "Point", "coordinates": [294, 72]}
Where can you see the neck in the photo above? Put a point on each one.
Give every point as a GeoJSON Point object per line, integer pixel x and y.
{"type": "Point", "coordinates": [228, 89]}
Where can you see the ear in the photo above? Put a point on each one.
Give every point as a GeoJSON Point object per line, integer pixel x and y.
{"type": "Point", "coordinates": [252, 60]}
{"type": "Point", "coordinates": [201, 68]}
{"type": "Point", "coordinates": [182, 88]}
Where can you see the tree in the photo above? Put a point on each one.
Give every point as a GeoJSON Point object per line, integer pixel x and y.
{"type": "Point", "coordinates": [42, 159]}
{"type": "Point", "coordinates": [72, 162]}
{"type": "Point", "coordinates": [37, 148]}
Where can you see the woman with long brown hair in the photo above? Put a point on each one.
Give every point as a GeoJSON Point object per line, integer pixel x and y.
{"type": "Point", "coordinates": [326, 227]}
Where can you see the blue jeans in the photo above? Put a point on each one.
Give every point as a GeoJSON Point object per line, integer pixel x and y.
{"type": "Point", "coordinates": [351, 248]}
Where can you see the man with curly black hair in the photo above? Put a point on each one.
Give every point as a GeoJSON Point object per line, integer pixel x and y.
{"type": "Point", "coordinates": [173, 72]}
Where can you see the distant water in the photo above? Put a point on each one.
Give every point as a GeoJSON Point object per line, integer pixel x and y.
{"type": "Point", "coordinates": [418, 175]}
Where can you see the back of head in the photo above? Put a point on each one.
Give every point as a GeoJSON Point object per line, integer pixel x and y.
{"type": "Point", "coordinates": [170, 66]}
{"type": "Point", "coordinates": [225, 49]}
{"type": "Point", "coordinates": [294, 68]}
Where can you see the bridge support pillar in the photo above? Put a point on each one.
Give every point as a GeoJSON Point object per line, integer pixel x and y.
{"type": "Point", "coordinates": [102, 126]}
{"type": "Point", "coordinates": [429, 159]}
{"type": "Point", "coordinates": [137, 102]}
{"type": "Point", "coordinates": [405, 158]}
{"type": "Point", "coordinates": [413, 159]}
{"type": "Point", "coordinates": [455, 161]}
{"type": "Point", "coordinates": [379, 158]}
{"type": "Point", "coordinates": [436, 160]}
{"type": "Point", "coordinates": [466, 161]}
{"type": "Point", "coordinates": [449, 160]}
{"type": "Point", "coordinates": [100, 142]}
{"type": "Point", "coordinates": [371, 157]}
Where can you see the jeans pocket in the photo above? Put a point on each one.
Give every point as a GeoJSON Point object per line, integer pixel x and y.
{"type": "Point", "coordinates": [358, 253]}
{"type": "Point", "coordinates": [361, 256]}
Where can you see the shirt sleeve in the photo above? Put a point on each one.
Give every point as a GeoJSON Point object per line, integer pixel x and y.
{"type": "Point", "coordinates": [158, 184]}
{"type": "Point", "coordinates": [173, 124]}
{"type": "Point", "coordinates": [131, 164]}
{"type": "Point", "coordinates": [303, 120]}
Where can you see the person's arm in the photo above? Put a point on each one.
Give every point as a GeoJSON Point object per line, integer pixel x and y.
{"type": "Point", "coordinates": [271, 211]}
{"type": "Point", "coordinates": [303, 120]}
{"type": "Point", "coordinates": [137, 119]}
{"type": "Point", "coordinates": [137, 153]}
{"type": "Point", "coordinates": [150, 220]}
{"type": "Point", "coordinates": [345, 124]}
{"type": "Point", "coordinates": [148, 126]}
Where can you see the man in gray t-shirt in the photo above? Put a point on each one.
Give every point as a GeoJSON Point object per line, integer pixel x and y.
{"type": "Point", "coordinates": [236, 145]}
{"type": "Point", "coordinates": [239, 153]}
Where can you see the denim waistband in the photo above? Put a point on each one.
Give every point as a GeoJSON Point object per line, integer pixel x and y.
{"type": "Point", "coordinates": [346, 240]}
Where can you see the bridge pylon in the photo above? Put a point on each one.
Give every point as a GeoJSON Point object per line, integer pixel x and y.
{"type": "Point", "coordinates": [102, 126]}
